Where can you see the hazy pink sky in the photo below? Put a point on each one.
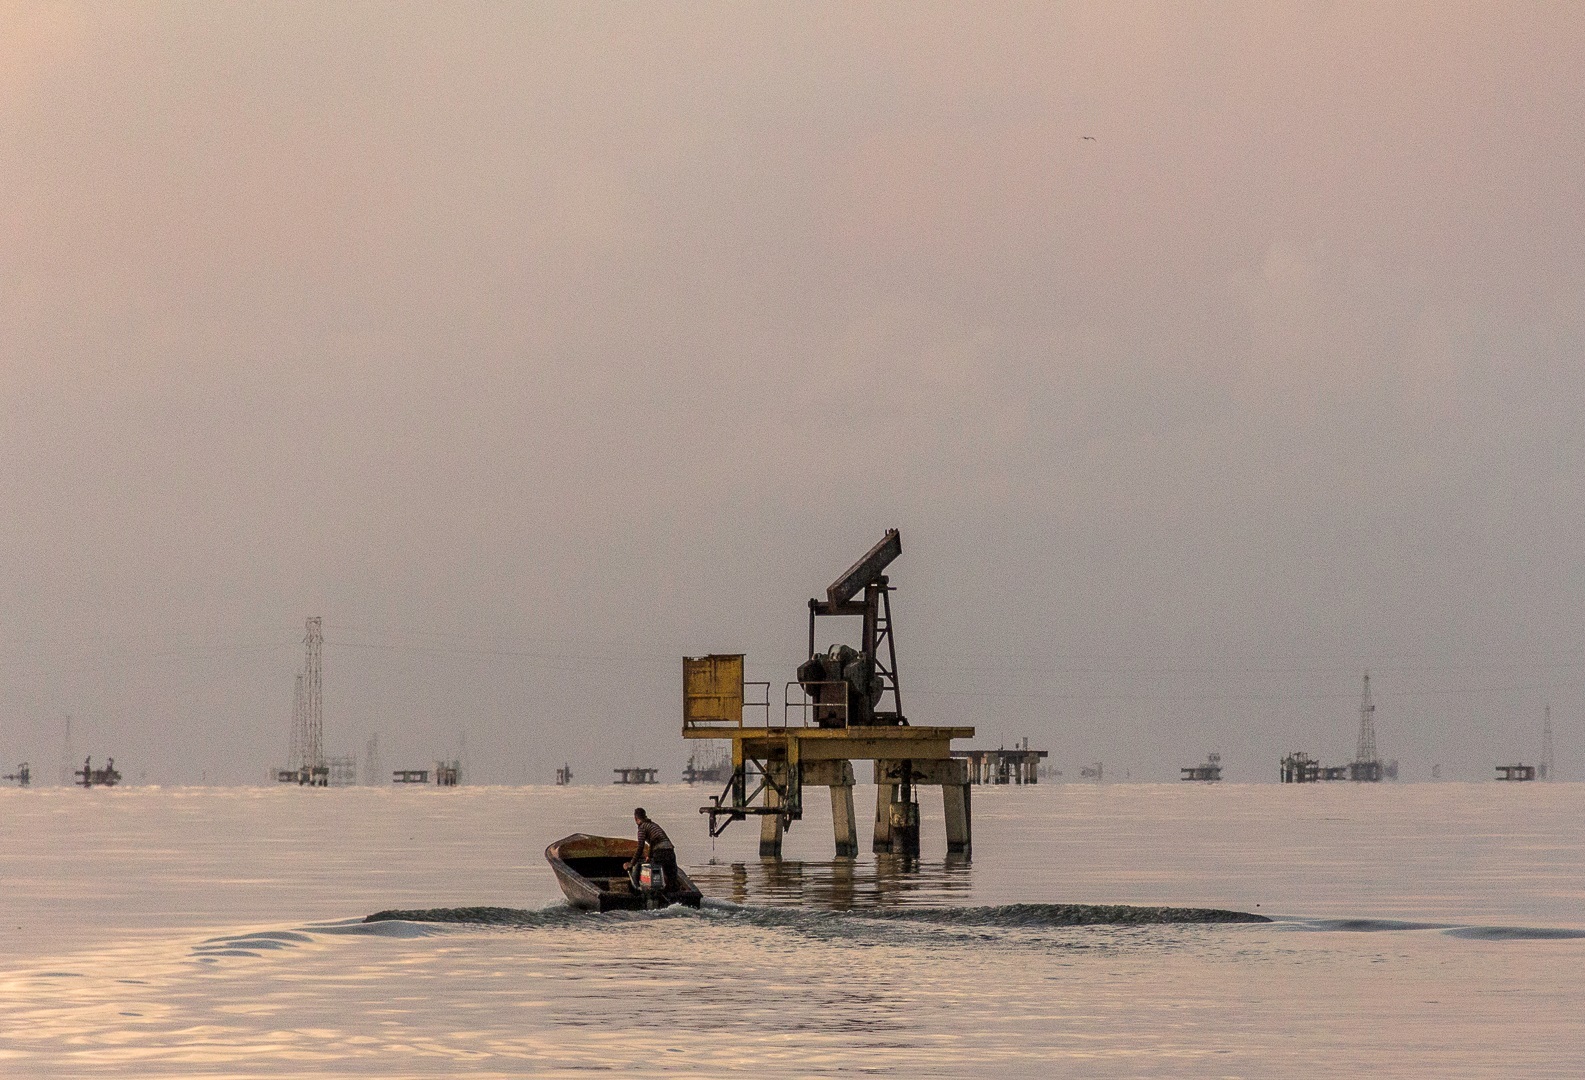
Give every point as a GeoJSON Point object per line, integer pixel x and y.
{"type": "Point", "coordinates": [534, 346]}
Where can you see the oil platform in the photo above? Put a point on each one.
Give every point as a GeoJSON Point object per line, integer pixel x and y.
{"type": "Point", "coordinates": [1367, 766]}
{"type": "Point", "coordinates": [1020, 765]}
{"type": "Point", "coordinates": [90, 777]}
{"type": "Point", "coordinates": [1209, 773]}
{"type": "Point", "coordinates": [844, 706]}
{"type": "Point", "coordinates": [1546, 770]}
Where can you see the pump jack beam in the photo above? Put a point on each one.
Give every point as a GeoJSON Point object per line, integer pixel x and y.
{"type": "Point", "coordinates": [866, 570]}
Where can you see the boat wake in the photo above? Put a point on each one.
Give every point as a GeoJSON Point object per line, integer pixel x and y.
{"type": "Point", "coordinates": [1030, 916]}
{"type": "Point", "coordinates": [922, 920]}
{"type": "Point", "coordinates": [1472, 933]}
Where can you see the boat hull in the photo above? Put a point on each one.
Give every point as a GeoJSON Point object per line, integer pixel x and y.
{"type": "Point", "coordinates": [589, 871]}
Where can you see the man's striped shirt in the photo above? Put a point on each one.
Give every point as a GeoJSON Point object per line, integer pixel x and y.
{"type": "Point", "coordinates": [653, 835]}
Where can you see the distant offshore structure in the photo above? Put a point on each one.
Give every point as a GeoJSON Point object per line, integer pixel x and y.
{"type": "Point", "coordinates": [1544, 771]}
{"type": "Point", "coordinates": [1020, 765]}
{"type": "Point", "coordinates": [305, 759]}
{"type": "Point", "coordinates": [1209, 773]}
{"type": "Point", "coordinates": [1367, 766]}
{"type": "Point", "coordinates": [707, 766]}
{"type": "Point", "coordinates": [306, 763]}
{"type": "Point", "coordinates": [844, 705]}
{"type": "Point", "coordinates": [90, 777]}
{"type": "Point", "coordinates": [445, 773]}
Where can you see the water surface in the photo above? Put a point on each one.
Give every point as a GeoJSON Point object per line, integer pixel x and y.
{"type": "Point", "coordinates": [1420, 930]}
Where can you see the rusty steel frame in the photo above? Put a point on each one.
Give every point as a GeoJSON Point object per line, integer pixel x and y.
{"type": "Point", "coordinates": [790, 809]}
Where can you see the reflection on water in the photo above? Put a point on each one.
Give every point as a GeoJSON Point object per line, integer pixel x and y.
{"type": "Point", "coordinates": [840, 884]}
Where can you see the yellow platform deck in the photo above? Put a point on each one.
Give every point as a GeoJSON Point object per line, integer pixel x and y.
{"type": "Point", "coordinates": [838, 744]}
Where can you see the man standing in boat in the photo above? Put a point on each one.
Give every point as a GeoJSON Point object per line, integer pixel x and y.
{"type": "Point", "coordinates": [654, 846]}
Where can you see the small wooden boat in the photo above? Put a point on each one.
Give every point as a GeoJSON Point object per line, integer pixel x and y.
{"type": "Point", "coordinates": [589, 870]}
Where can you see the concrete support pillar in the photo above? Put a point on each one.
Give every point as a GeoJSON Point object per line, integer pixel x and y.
{"type": "Point", "coordinates": [844, 822]}
{"type": "Point", "coordinates": [770, 825]}
{"type": "Point", "coordinates": [960, 821]}
{"type": "Point", "coordinates": [883, 810]}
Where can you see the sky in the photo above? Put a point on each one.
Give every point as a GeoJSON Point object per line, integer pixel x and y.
{"type": "Point", "coordinates": [1206, 356]}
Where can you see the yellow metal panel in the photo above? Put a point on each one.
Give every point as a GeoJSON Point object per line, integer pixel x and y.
{"type": "Point", "coordinates": [712, 690]}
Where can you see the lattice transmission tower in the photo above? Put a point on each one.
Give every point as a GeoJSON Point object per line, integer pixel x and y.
{"type": "Point", "coordinates": [1546, 769]}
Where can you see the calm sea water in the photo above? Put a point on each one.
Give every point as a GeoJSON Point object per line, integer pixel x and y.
{"type": "Point", "coordinates": [1429, 930]}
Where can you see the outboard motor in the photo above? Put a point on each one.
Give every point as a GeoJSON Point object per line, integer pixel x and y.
{"type": "Point", "coordinates": [649, 881]}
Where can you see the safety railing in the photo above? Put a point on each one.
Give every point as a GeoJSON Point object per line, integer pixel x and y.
{"type": "Point", "coordinates": [807, 706]}
{"type": "Point", "coordinates": [765, 704]}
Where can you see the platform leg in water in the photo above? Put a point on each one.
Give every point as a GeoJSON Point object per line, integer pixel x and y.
{"type": "Point", "coordinates": [771, 826]}
{"type": "Point", "coordinates": [905, 814]}
{"type": "Point", "coordinates": [882, 844]}
{"type": "Point", "coordinates": [844, 824]}
{"type": "Point", "coordinates": [959, 818]}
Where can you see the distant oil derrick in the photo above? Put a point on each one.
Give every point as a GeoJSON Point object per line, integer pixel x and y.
{"type": "Point", "coordinates": [314, 705]}
{"type": "Point", "coordinates": [305, 762]}
{"type": "Point", "coordinates": [1367, 766]}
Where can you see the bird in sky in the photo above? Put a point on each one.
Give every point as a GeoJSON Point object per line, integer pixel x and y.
{"type": "Point", "coordinates": [1090, 138]}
